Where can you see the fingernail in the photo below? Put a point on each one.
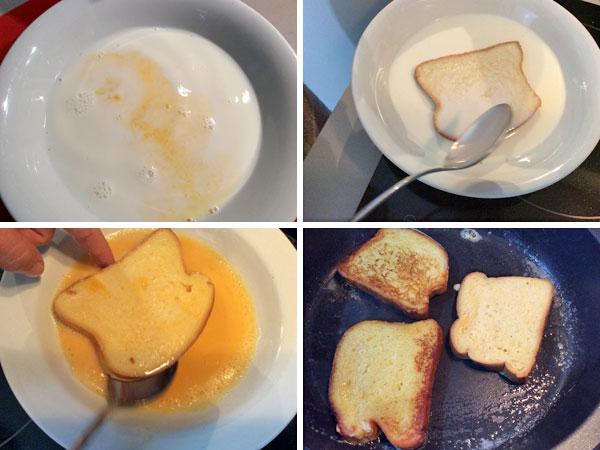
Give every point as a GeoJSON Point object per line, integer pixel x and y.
{"type": "Point", "coordinates": [36, 270]}
{"type": "Point", "coordinates": [105, 261]}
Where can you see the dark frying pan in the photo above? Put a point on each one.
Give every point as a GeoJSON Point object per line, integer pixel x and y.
{"type": "Point", "coordinates": [472, 408]}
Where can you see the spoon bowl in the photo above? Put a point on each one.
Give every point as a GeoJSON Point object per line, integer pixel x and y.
{"type": "Point", "coordinates": [480, 139]}
{"type": "Point", "coordinates": [132, 392]}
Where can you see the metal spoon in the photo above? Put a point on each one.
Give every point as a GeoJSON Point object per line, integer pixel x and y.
{"type": "Point", "coordinates": [475, 144]}
{"type": "Point", "coordinates": [127, 393]}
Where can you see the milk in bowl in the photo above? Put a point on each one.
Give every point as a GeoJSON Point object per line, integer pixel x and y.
{"type": "Point", "coordinates": [154, 124]}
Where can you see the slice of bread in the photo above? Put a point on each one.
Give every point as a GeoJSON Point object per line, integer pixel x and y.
{"type": "Point", "coordinates": [143, 312]}
{"type": "Point", "coordinates": [501, 322]}
{"type": "Point", "coordinates": [466, 85]}
{"type": "Point", "coordinates": [383, 377]}
{"type": "Point", "coordinates": [401, 266]}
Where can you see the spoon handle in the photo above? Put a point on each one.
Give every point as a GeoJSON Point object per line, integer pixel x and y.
{"type": "Point", "coordinates": [369, 207]}
{"type": "Point", "coordinates": [92, 428]}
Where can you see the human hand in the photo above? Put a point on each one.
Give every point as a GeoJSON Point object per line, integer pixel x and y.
{"type": "Point", "coordinates": [19, 253]}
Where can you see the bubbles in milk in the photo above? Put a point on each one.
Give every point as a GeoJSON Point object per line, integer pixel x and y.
{"type": "Point", "coordinates": [103, 190]}
{"type": "Point", "coordinates": [214, 210]}
{"type": "Point", "coordinates": [148, 174]}
{"type": "Point", "coordinates": [81, 103]}
{"type": "Point", "coordinates": [241, 99]}
{"type": "Point", "coordinates": [184, 112]}
{"type": "Point", "coordinates": [209, 123]}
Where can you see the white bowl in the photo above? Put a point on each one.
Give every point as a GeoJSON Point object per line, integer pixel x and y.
{"type": "Point", "coordinates": [248, 417]}
{"type": "Point", "coordinates": [508, 172]}
{"type": "Point", "coordinates": [30, 186]}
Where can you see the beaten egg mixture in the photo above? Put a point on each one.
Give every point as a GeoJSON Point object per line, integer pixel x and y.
{"type": "Point", "coordinates": [213, 364]}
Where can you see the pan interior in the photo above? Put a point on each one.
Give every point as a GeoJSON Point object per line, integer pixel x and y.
{"type": "Point", "coordinates": [472, 408]}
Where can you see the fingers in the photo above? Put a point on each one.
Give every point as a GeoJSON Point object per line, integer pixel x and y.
{"type": "Point", "coordinates": [37, 236]}
{"type": "Point", "coordinates": [18, 254]}
{"type": "Point", "coordinates": [92, 240]}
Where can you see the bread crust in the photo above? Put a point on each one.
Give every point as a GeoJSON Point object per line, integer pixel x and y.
{"type": "Point", "coordinates": [95, 341]}
{"type": "Point", "coordinates": [438, 103]}
{"type": "Point", "coordinates": [417, 436]}
{"type": "Point", "coordinates": [424, 407]}
{"type": "Point", "coordinates": [416, 313]}
{"type": "Point", "coordinates": [504, 367]}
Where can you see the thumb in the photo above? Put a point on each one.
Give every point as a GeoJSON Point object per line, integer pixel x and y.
{"type": "Point", "coordinates": [17, 254]}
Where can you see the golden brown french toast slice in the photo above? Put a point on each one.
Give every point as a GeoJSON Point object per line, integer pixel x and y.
{"type": "Point", "coordinates": [400, 266]}
{"type": "Point", "coordinates": [382, 378]}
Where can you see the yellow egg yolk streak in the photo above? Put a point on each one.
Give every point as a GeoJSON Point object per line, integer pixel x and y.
{"type": "Point", "coordinates": [170, 121]}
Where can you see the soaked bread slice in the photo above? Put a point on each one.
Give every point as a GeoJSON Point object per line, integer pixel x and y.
{"type": "Point", "coordinates": [383, 377]}
{"type": "Point", "coordinates": [466, 85]}
{"type": "Point", "coordinates": [401, 266]}
{"type": "Point", "coordinates": [501, 322]}
{"type": "Point", "coordinates": [143, 312]}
